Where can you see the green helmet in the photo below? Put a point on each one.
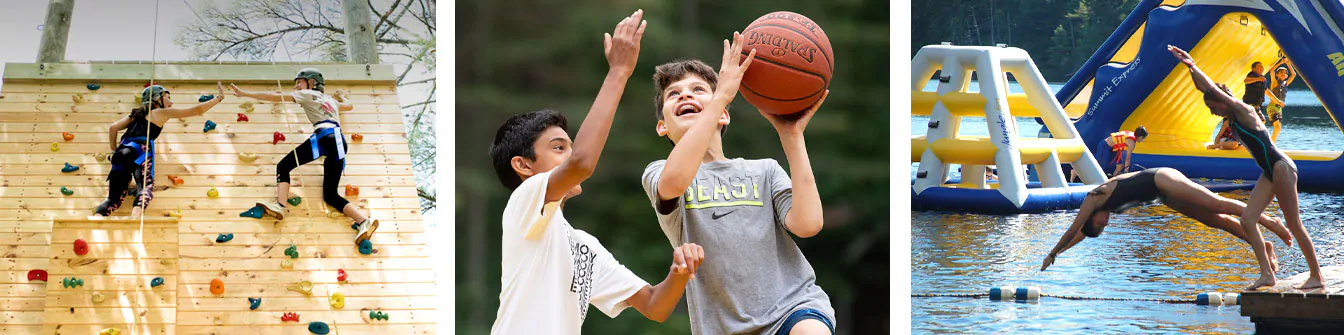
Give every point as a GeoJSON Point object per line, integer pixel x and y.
{"type": "Point", "coordinates": [152, 93]}
{"type": "Point", "coordinates": [314, 74]}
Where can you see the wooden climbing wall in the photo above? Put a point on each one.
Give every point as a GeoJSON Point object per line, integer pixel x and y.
{"type": "Point", "coordinates": [124, 257]}
{"type": "Point", "coordinates": [37, 105]}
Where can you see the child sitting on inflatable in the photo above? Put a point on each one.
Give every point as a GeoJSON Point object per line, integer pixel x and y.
{"type": "Point", "coordinates": [1225, 140]}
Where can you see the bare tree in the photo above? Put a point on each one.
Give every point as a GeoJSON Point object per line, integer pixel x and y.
{"type": "Point", "coordinates": [314, 30]}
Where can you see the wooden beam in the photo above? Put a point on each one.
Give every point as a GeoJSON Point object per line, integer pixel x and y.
{"type": "Point", "coordinates": [173, 72]}
{"type": "Point", "coordinates": [360, 44]}
{"type": "Point", "coordinates": [56, 31]}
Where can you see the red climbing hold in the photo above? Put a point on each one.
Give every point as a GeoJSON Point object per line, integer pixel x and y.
{"type": "Point", "coordinates": [81, 247]}
{"type": "Point", "coordinates": [351, 190]}
{"type": "Point", "coordinates": [67, 136]}
{"type": "Point", "coordinates": [37, 275]}
{"type": "Point", "coordinates": [242, 117]}
{"type": "Point", "coordinates": [289, 316]}
{"type": "Point", "coordinates": [277, 137]}
{"type": "Point", "coordinates": [176, 180]}
{"type": "Point", "coordinates": [357, 138]}
{"type": "Point", "coordinates": [340, 275]}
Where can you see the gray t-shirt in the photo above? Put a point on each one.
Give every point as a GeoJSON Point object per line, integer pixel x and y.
{"type": "Point", "coordinates": [753, 275]}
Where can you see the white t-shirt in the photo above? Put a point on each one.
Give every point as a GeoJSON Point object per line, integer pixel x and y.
{"type": "Point", "coordinates": [318, 106]}
{"type": "Point", "coordinates": [551, 272]}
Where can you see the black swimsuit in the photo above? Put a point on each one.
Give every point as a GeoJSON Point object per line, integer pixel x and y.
{"type": "Point", "coordinates": [1137, 190]}
{"type": "Point", "coordinates": [1260, 146]}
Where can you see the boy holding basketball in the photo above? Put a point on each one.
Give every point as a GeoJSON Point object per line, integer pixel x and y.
{"type": "Point", "coordinates": [551, 271]}
{"type": "Point", "coordinates": [743, 210]}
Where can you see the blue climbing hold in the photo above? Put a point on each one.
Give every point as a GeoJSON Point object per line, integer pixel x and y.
{"type": "Point", "coordinates": [156, 282]}
{"type": "Point", "coordinates": [256, 213]}
{"type": "Point", "coordinates": [206, 97]}
{"type": "Point", "coordinates": [319, 327]}
{"type": "Point", "coordinates": [69, 168]}
{"type": "Point", "coordinates": [224, 238]}
{"type": "Point", "coordinates": [366, 247]}
{"type": "Point", "coordinates": [209, 125]}
{"type": "Point", "coordinates": [93, 87]}
{"type": "Point", "coordinates": [256, 302]}
{"type": "Point", "coordinates": [67, 191]}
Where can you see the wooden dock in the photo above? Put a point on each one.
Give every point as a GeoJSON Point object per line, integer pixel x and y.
{"type": "Point", "coordinates": [1284, 310]}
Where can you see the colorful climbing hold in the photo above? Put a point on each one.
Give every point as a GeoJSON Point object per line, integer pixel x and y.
{"type": "Point", "coordinates": [71, 282]}
{"type": "Point", "coordinates": [213, 193]}
{"type": "Point", "coordinates": [340, 275]}
{"type": "Point", "coordinates": [292, 251]}
{"type": "Point", "coordinates": [242, 117]}
{"type": "Point", "coordinates": [277, 137]}
{"type": "Point", "coordinates": [98, 297]}
{"type": "Point", "coordinates": [175, 213]}
{"type": "Point", "coordinates": [37, 275]}
{"type": "Point", "coordinates": [303, 286]}
{"type": "Point", "coordinates": [357, 138]}
{"type": "Point", "coordinates": [69, 168]}
{"type": "Point", "coordinates": [378, 315]}
{"type": "Point", "coordinates": [319, 328]}
{"type": "Point", "coordinates": [351, 190]}
{"type": "Point", "coordinates": [247, 157]}
{"type": "Point", "coordinates": [289, 316]}
{"type": "Point", "coordinates": [55, 147]}
{"type": "Point", "coordinates": [81, 247]}
{"type": "Point", "coordinates": [365, 247]}
{"type": "Point", "coordinates": [67, 191]}
{"type": "Point", "coordinates": [337, 300]}
{"type": "Point", "coordinates": [216, 286]}
{"type": "Point", "coordinates": [176, 180]}
{"type": "Point", "coordinates": [93, 86]}
{"type": "Point", "coordinates": [156, 282]}
{"type": "Point", "coordinates": [209, 125]}
{"type": "Point", "coordinates": [67, 136]}
{"type": "Point", "coordinates": [78, 98]}
{"type": "Point", "coordinates": [224, 238]}
{"type": "Point", "coordinates": [205, 97]}
{"type": "Point", "coordinates": [246, 106]}
{"type": "Point", "coordinates": [294, 201]}
{"type": "Point", "coordinates": [256, 213]}
{"type": "Point", "coordinates": [288, 264]}
{"type": "Point", "coordinates": [255, 302]}
{"type": "Point", "coordinates": [110, 331]}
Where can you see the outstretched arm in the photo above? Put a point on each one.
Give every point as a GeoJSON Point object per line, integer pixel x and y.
{"type": "Point", "coordinates": [197, 110]}
{"type": "Point", "coordinates": [657, 302]}
{"type": "Point", "coordinates": [1201, 80]}
{"type": "Point", "coordinates": [804, 218]}
{"type": "Point", "coordinates": [682, 163]}
{"type": "Point", "coordinates": [263, 96]}
{"type": "Point", "coordinates": [622, 50]}
{"type": "Point", "coordinates": [1073, 235]}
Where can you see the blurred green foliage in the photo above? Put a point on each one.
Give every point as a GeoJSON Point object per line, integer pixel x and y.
{"type": "Point", "coordinates": [516, 56]}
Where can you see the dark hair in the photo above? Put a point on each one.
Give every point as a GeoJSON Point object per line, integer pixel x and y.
{"type": "Point", "coordinates": [516, 138]}
{"type": "Point", "coordinates": [314, 84]}
{"type": "Point", "coordinates": [671, 72]}
{"type": "Point", "coordinates": [1281, 69]}
{"type": "Point", "coordinates": [1140, 132]}
{"type": "Point", "coordinates": [1256, 63]}
{"type": "Point", "coordinates": [1089, 229]}
{"type": "Point", "coordinates": [143, 111]}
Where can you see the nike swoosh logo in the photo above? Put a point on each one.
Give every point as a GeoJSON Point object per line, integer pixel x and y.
{"type": "Point", "coordinates": [716, 216]}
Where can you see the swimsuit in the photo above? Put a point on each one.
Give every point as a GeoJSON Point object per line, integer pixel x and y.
{"type": "Point", "coordinates": [1137, 190]}
{"type": "Point", "coordinates": [1258, 143]}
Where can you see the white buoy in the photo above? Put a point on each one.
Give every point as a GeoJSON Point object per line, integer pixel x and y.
{"type": "Point", "coordinates": [1231, 299]}
{"type": "Point", "coordinates": [1209, 299]}
{"type": "Point", "coordinates": [1026, 293]}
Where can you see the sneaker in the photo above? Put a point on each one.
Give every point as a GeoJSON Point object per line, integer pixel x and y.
{"type": "Point", "coordinates": [366, 229]}
{"type": "Point", "coordinates": [273, 208]}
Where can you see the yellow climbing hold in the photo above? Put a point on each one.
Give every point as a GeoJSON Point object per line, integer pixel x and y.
{"type": "Point", "coordinates": [304, 286]}
{"type": "Point", "coordinates": [110, 331]}
{"type": "Point", "coordinates": [175, 213]}
{"type": "Point", "coordinates": [55, 147]}
{"type": "Point", "coordinates": [337, 300]}
{"type": "Point", "coordinates": [98, 297]}
{"type": "Point", "coordinates": [213, 193]}
{"type": "Point", "coordinates": [77, 97]}
{"type": "Point", "coordinates": [247, 157]}
{"type": "Point", "coordinates": [287, 264]}
{"type": "Point", "coordinates": [246, 106]}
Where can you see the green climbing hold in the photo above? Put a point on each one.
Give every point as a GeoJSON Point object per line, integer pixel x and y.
{"type": "Point", "coordinates": [292, 251]}
{"type": "Point", "coordinates": [365, 247]}
{"type": "Point", "coordinates": [93, 87]}
{"type": "Point", "coordinates": [319, 327]}
{"type": "Point", "coordinates": [224, 238]}
{"type": "Point", "coordinates": [378, 315]}
{"type": "Point", "coordinates": [256, 213]}
{"type": "Point", "coordinates": [70, 282]}
{"type": "Point", "coordinates": [69, 168]}
{"type": "Point", "coordinates": [206, 97]}
{"type": "Point", "coordinates": [294, 201]}
{"type": "Point", "coordinates": [156, 282]}
{"type": "Point", "coordinates": [254, 302]}
{"type": "Point", "coordinates": [67, 191]}
{"type": "Point", "coordinates": [209, 125]}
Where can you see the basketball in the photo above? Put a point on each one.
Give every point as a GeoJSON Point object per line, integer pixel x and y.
{"type": "Point", "coordinates": [793, 63]}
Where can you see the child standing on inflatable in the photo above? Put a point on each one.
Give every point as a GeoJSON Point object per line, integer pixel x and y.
{"type": "Point", "coordinates": [322, 110]}
{"type": "Point", "coordinates": [1255, 89]}
{"type": "Point", "coordinates": [1121, 145]}
{"type": "Point", "coordinates": [1278, 177]}
{"type": "Point", "coordinates": [133, 156]}
{"type": "Point", "coordinates": [1278, 94]}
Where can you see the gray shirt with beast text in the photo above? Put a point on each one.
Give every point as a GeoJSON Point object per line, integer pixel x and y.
{"type": "Point", "coordinates": [753, 275]}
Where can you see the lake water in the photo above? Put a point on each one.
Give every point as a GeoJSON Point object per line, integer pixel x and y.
{"type": "Point", "coordinates": [1150, 252]}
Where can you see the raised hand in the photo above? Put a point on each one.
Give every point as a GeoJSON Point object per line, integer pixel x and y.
{"type": "Point", "coordinates": [732, 68]}
{"type": "Point", "coordinates": [622, 45]}
{"type": "Point", "coordinates": [794, 124]}
{"type": "Point", "coordinates": [237, 92]}
{"type": "Point", "coordinates": [219, 90]}
{"type": "Point", "coordinates": [686, 259]}
{"type": "Point", "coordinates": [1181, 55]}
